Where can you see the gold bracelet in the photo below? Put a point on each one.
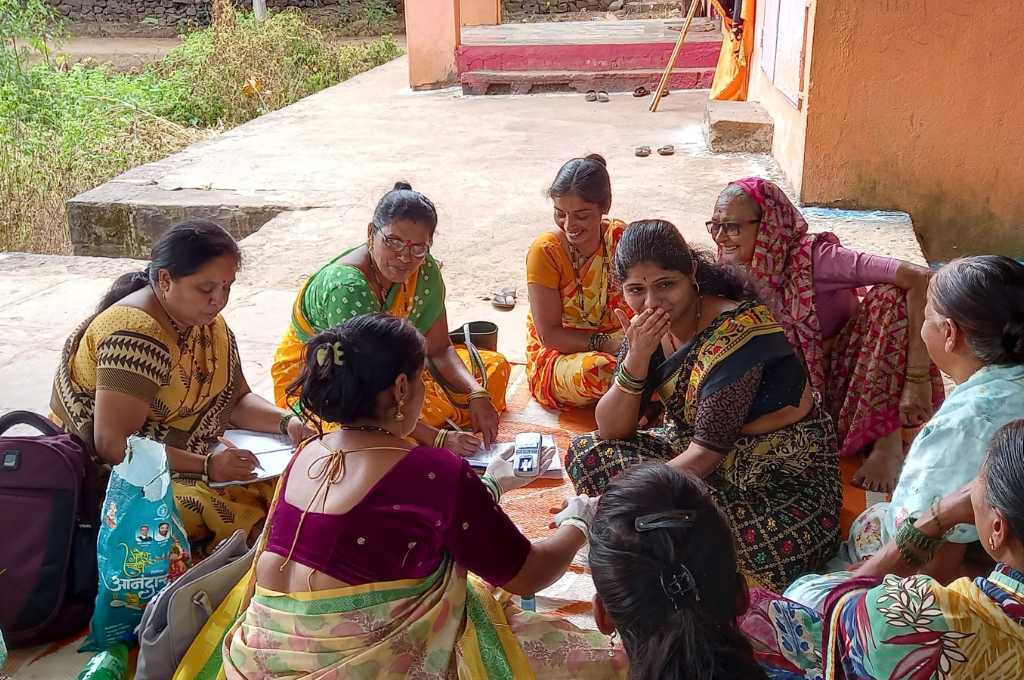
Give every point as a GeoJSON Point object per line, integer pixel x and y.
{"type": "Point", "coordinates": [206, 467]}
{"type": "Point", "coordinates": [440, 438]}
{"type": "Point", "coordinates": [478, 394]}
{"type": "Point", "coordinates": [919, 377]}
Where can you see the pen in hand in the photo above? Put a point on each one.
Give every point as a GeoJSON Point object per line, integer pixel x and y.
{"type": "Point", "coordinates": [231, 445]}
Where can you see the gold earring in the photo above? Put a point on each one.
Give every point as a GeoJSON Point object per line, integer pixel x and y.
{"type": "Point", "coordinates": [992, 543]}
{"type": "Point", "coordinates": [399, 416]}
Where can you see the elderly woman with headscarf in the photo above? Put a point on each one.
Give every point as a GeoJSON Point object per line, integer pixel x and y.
{"type": "Point", "coordinates": [854, 317]}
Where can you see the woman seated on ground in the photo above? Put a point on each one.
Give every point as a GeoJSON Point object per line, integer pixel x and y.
{"type": "Point", "coordinates": [369, 543]}
{"type": "Point", "coordinates": [886, 623]}
{"type": "Point", "coordinates": [974, 331]}
{"type": "Point", "coordinates": [665, 571]}
{"type": "Point", "coordinates": [158, 359]}
{"type": "Point", "coordinates": [572, 333]}
{"type": "Point", "coordinates": [739, 410]}
{"type": "Point", "coordinates": [395, 273]}
{"type": "Point", "coordinates": [865, 357]}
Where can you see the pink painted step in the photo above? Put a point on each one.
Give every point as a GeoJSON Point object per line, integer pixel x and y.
{"type": "Point", "coordinates": [522, 82]}
{"type": "Point", "coordinates": [606, 57]}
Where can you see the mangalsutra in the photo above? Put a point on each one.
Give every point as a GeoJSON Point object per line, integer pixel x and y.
{"type": "Point", "coordinates": [187, 341]}
{"type": "Point", "coordinates": [578, 260]}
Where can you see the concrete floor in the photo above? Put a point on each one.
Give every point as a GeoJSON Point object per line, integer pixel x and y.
{"type": "Point", "coordinates": [485, 161]}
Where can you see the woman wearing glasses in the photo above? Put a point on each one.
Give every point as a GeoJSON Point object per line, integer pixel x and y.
{"type": "Point", "coordinates": [864, 352]}
{"type": "Point", "coordinates": [393, 272]}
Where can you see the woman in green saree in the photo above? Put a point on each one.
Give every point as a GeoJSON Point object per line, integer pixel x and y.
{"type": "Point", "coordinates": [395, 273]}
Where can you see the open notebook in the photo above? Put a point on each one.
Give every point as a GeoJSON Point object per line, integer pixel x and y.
{"type": "Point", "coordinates": [273, 450]}
{"type": "Point", "coordinates": [480, 459]}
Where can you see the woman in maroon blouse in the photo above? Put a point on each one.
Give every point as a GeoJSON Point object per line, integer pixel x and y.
{"type": "Point", "coordinates": [371, 540]}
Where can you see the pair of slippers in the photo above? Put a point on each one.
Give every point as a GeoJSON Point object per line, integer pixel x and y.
{"type": "Point", "coordinates": [597, 96]}
{"type": "Point", "coordinates": [504, 299]}
{"type": "Point", "coordinates": [645, 151]}
{"type": "Point", "coordinates": [643, 92]}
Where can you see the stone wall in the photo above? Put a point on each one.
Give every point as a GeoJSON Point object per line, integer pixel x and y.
{"type": "Point", "coordinates": [519, 7]}
{"type": "Point", "coordinates": [163, 12]}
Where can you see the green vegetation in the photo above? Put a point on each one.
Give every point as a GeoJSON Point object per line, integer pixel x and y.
{"type": "Point", "coordinates": [64, 130]}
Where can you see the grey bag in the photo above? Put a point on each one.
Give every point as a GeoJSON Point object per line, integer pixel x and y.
{"type": "Point", "coordinates": [173, 618]}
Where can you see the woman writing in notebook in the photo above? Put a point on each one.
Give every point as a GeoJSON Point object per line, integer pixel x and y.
{"type": "Point", "coordinates": [158, 359]}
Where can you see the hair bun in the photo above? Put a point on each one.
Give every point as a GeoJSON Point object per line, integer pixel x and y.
{"type": "Point", "coordinates": [597, 158]}
{"type": "Point", "coordinates": [1013, 336]}
{"type": "Point", "coordinates": [402, 185]}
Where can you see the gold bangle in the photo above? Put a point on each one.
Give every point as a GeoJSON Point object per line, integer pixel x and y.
{"type": "Point", "coordinates": [478, 394]}
{"type": "Point", "coordinates": [440, 438]}
{"type": "Point", "coordinates": [919, 377]}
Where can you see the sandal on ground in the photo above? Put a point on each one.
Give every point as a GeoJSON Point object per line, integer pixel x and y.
{"type": "Point", "coordinates": [591, 96]}
{"type": "Point", "coordinates": [642, 151]}
{"type": "Point", "coordinates": [504, 299]}
{"type": "Point", "coordinates": [641, 92]}
{"type": "Point", "coordinates": [666, 150]}
{"type": "Point", "coordinates": [602, 97]}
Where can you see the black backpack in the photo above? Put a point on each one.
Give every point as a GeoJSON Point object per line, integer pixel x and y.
{"type": "Point", "coordinates": [49, 520]}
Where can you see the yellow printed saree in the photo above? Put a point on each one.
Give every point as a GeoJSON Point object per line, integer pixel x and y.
{"type": "Point", "coordinates": [339, 292]}
{"type": "Point", "coordinates": [589, 299]}
{"type": "Point", "coordinates": [192, 384]}
{"type": "Point", "coordinates": [448, 625]}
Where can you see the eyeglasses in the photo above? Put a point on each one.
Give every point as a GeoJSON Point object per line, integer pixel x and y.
{"type": "Point", "coordinates": [732, 229]}
{"type": "Point", "coordinates": [401, 247]}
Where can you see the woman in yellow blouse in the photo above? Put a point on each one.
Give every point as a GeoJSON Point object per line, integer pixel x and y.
{"type": "Point", "coordinates": [158, 359]}
{"type": "Point", "coordinates": [573, 335]}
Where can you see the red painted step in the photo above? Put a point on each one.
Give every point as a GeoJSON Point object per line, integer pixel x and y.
{"type": "Point", "coordinates": [585, 57]}
{"type": "Point", "coordinates": [522, 82]}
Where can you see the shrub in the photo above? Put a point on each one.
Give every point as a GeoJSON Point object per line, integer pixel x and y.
{"type": "Point", "coordinates": [66, 130]}
{"type": "Point", "coordinates": [240, 68]}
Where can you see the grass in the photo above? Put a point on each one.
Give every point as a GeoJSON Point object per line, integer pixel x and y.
{"type": "Point", "coordinates": [65, 130]}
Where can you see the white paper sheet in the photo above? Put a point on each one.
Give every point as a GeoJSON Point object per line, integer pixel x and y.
{"type": "Point", "coordinates": [273, 451]}
{"type": "Point", "coordinates": [481, 459]}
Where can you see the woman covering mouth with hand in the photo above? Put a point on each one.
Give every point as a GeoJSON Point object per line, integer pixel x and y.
{"type": "Point", "coordinates": [739, 410]}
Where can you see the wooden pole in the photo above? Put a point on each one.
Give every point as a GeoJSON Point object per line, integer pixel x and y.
{"type": "Point", "coordinates": [675, 56]}
{"type": "Point", "coordinates": [259, 8]}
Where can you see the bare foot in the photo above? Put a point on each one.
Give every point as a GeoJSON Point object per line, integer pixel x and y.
{"type": "Point", "coordinates": [881, 470]}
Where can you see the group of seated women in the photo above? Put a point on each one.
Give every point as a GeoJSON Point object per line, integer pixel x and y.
{"type": "Point", "coordinates": [726, 391]}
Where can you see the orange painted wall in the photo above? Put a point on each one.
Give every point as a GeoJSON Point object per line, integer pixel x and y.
{"type": "Point", "coordinates": [431, 39]}
{"type": "Point", "coordinates": [918, 105]}
{"type": "Point", "coordinates": [480, 12]}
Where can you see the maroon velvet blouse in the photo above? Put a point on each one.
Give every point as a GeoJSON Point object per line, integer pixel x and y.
{"type": "Point", "coordinates": [431, 503]}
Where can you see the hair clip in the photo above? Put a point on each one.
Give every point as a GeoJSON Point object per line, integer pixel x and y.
{"type": "Point", "coordinates": [671, 519]}
{"type": "Point", "coordinates": [678, 586]}
{"type": "Point", "coordinates": [323, 352]}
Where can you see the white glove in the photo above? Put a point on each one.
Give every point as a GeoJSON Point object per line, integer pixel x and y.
{"type": "Point", "coordinates": [502, 472]}
{"type": "Point", "coordinates": [578, 512]}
